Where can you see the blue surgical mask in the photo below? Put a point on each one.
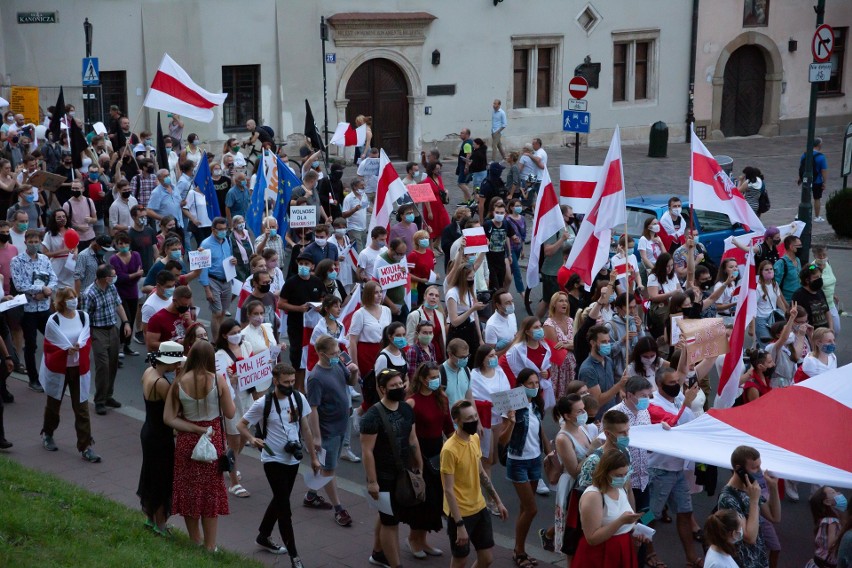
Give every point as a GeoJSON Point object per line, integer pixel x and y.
{"type": "Point", "coordinates": [462, 362]}
{"type": "Point", "coordinates": [582, 418]}
{"type": "Point", "coordinates": [400, 342]}
{"type": "Point", "coordinates": [175, 254]}
{"type": "Point", "coordinates": [828, 348]}
{"type": "Point", "coordinates": [315, 164]}
{"type": "Point", "coordinates": [605, 349]}
{"type": "Point", "coordinates": [434, 384]}
{"type": "Point", "coordinates": [332, 275]}
{"type": "Point", "coordinates": [612, 298]}
{"type": "Point", "coordinates": [736, 274]}
{"type": "Point", "coordinates": [622, 442]}
{"type": "Point", "coordinates": [618, 481]}
{"type": "Point", "coordinates": [531, 393]}
{"type": "Point", "coordinates": [333, 360]}
{"type": "Point", "coordinates": [241, 226]}
{"type": "Point", "coordinates": [430, 306]}
{"type": "Point", "coordinates": [423, 243]}
{"type": "Point", "coordinates": [643, 403]}
{"type": "Point", "coordinates": [93, 176]}
{"type": "Point", "coordinates": [538, 334]}
{"type": "Point", "coordinates": [519, 210]}
{"type": "Point", "coordinates": [169, 292]}
{"type": "Point", "coordinates": [510, 309]}
{"type": "Point", "coordinates": [30, 198]}
{"type": "Point", "coordinates": [410, 217]}
{"type": "Point", "coordinates": [273, 232]}
{"type": "Point", "coordinates": [167, 180]}
{"type": "Point", "coordinates": [222, 234]}
{"type": "Point", "coordinates": [304, 271]}
{"type": "Point", "coordinates": [493, 362]}
{"type": "Point", "coordinates": [840, 502]}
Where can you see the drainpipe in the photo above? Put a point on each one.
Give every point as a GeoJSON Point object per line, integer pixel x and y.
{"type": "Point", "coordinates": [693, 45]}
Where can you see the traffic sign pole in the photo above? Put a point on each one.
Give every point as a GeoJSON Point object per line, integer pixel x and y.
{"type": "Point", "coordinates": [578, 87]}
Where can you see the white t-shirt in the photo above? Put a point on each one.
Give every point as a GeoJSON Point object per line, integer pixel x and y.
{"type": "Point", "coordinates": [369, 170]}
{"type": "Point", "coordinates": [812, 366]}
{"type": "Point", "coordinates": [670, 285]}
{"type": "Point", "coordinates": [71, 328]}
{"type": "Point", "coordinates": [382, 360]}
{"type": "Point", "coordinates": [280, 427]}
{"type": "Point", "coordinates": [152, 305]}
{"type": "Point", "coordinates": [652, 249]}
{"type": "Point", "coordinates": [767, 303]}
{"type": "Point", "coordinates": [542, 155]}
{"type": "Point", "coordinates": [19, 240]}
{"type": "Point", "coordinates": [367, 328]}
{"type": "Point", "coordinates": [367, 259]}
{"type": "Point", "coordinates": [481, 387]}
{"type": "Point", "coordinates": [715, 559]}
{"type": "Point", "coordinates": [634, 268]}
{"type": "Point", "coordinates": [196, 204]}
{"type": "Point", "coordinates": [498, 327]}
{"type": "Point", "coordinates": [727, 296]}
{"type": "Point", "coordinates": [532, 445]}
{"type": "Point", "coordinates": [462, 305]}
{"type": "Point", "coordinates": [358, 220]}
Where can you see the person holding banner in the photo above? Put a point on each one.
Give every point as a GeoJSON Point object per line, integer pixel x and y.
{"type": "Point", "coordinates": [462, 305]}
{"type": "Point", "coordinates": [261, 336]}
{"type": "Point", "coordinates": [390, 269]}
{"type": "Point", "coordinates": [195, 209]}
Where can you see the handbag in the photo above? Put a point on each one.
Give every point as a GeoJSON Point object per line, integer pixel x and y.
{"type": "Point", "coordinates": [410, 489]}
{"type": "Point", "coordinates": [552, 468]}
{"type": "Point", "coordinates": [227, 462]}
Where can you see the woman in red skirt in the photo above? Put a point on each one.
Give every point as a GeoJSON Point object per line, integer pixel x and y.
{"type": "Point", "coordinates": [197, 400]}
{"type": "Point", "coordinates": [607, 517]}
{"type": "Point", "coordinates": [365, 331]}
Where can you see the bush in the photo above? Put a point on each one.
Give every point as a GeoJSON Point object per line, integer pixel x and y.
{"type": "Point", "coordinates": [837, 210]}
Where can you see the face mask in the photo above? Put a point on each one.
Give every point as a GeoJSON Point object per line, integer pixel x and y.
{"type": "Point", "coordinates": [612, 298]}
{"type": "Point", "coordinates": [217, 172]}
{"type": "Point", "coordinates": [400, 342]}
{"type": "Point", "coordinates": [582, 418]}
{"type": "Point", "coordinates": [264, 288]}
{"type": "Point", "coordinates": [142, 220]}
{"type": "Point", "coordinates": [499, 217]}
{"type": "Point", "coordinates": [333, 360]}
{"type": "Point", "coordinates": [396, 395]}
{"type": "Point", "coordinates": [256, 320]}
{"type": "Point", "coordinates": [378, 245]}
{"type": "Point", "coordinates": [519, 210]}
{"type": "Point", "coordinates": [840, 502]}
{"type": "Point", "coordinates": [304, 271]}
{"type": "Point", "coordinates": [470, 428]}
{"type": "Point", "coordinates": [110, 281]}
{"type": "Point", "coordinates": [93, 176]}
{"type": "Point", "coordinates": [696, 238]}
{"type": "Point", "coordinates": [167, 180]}
{"type": "Point", "coordinates": [235, 149]}
{"type": "Point", "coordinates": [462, 362]}
{"type": "Point", "coordinates": [71, 303]}
{"type": "Point", "coordinates": [510, 309]}
{"type": "Point", "coordinates": [643, 403]}
{"type": "Point", "coordinates": [182, 309]}
{"type": "Point", "coordinates": [671, 390]}
{"type": "Point", "coordinates": [31, 198]}
{"type": "Point", "coordinates": [423, 243]}
{"type": "Point", "coordinates": [538, 334]}
{"type": "Point", "coordinates": [738, 535]}
{"type": "Point", "coordinates": [434, 384]}
{"type": "Point", "coordinates": [332, 275]}
{"type": "Point", "coordinates": [320, 242]}
{"type": "Point", "coordinates": [471, 260]}
{"type": "Point", "coordinates": [72, 113]}
{"type": "Point", "coordinates": [168, 149]}
{"type": "Point", "coordinates": [175, 254]}
{"type": "Point", "coordinates": [10, 119]}
{"type": "Point", "coordinates": [124, 249]}
{"type": "Point", "coordinates": [125, 195]}
{"type": "Point", "coordinates": [74, 192]}
{"type": "Point", "coordinates": [168, 292]}
{"type": "Point", "coordinates": [618, 481]}
{"type": "Point", "coordinates": [32, 249]}
{"type": "Point", "coordinates": [605, 349]}
{"type": "Point", "coordinates": [622, 442]}
{"type": "Point", "coordinates": [736, 274]}
{"type": "Point", "coordinates": [426, 339]}
{"type": "Point", "coordinates": [531, 393]}
{"type": "Point", "coordinates": [649, 361]}
{"type": "Point", "coordinates": [409, 217]}
{"type": "Point", "coordinates": [5, 238]}
{"type": "Point", "coordinates": [23, 226]}
{"type": "Point", "coordinates": [286, 390]}
{"type": "Point", "coordinates": [221, 234]}
{"type": "Point", "coordinates": [241, 226]}
{"type": "Point", "coordinates": [273, 232]}
{"type": "Point", "coordinates": [828, 348]}
{"type": "Point", "coordinates": [816, 284]}
{"type": "Point", "coordinates": [493, 362]}
{"type": "Point", "coordinates": [315, 165]}
{"type": "Point", "coordinates": [235, 339]}
{"type": "Point", "coordinates": [676, 211]}
{"type": "Point", "coordinates": [430, 306]}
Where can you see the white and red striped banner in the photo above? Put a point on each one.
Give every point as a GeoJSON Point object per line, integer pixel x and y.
{"type": "Point", "coordinates": [172, 90]}
{"type": "Point", "coordinates": [389, 189]}
{"type": "Point", "coordinates": [577, 186]}
{"type": "Point", "coordinates": [753, 239]}
{"type": "Point", "coordinates": [345, 135]}
{"type": "Point", "coordinates": [547, 221]}
{"type": "Point", "coordinates": [475, 240]}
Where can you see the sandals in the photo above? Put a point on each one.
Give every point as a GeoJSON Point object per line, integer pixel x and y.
{"type": "Point", "coordinates": [523, 560]}
{"type": "Point", "coordinates": [239, 491]}
{"type": "Point", "coordinates": [653, 562]}
{"type": "Point", "coordinates": [698, 536]}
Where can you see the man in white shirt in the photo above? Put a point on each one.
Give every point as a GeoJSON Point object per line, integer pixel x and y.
{"type": "Point", "coordinates": [367, 257]}
{"type": "Point", "coordinates": [20, 224]}
{"type": "Point", "coordinates": [368, 169]}
{"type": "Point", "coordinates": [502, 325]}
{"type": "Point", "coordinates": [161, 298]}
{"type": "Point", "coordinates": [673, 223]}
{"type": "Point", "coordinates": [354, 210]}
{"type": "Point", "coordinates": [539, 156]}
{"type": "Point", "coordinates": [120, 219]}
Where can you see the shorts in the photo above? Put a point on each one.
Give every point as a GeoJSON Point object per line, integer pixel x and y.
{"type": "Point", "coordinates": [221, 292]}
{"type": "Point", "coordinates": [464, 178]}
{"type": "Point", "coordinates": [816, 190]}
{"type": "Point", "coordinates": [770, 537]}
{"type": "Point", "coordinates": [669, 487]}
{"type": "Point", "coordinates": [523, 471]}
{"type": "Point", "coordinates": [479, 533]}
{"type": "Point", "coordinates": [332, 445]}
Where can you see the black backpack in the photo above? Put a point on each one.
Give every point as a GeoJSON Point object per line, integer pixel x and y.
{"type": "Point", "coordinates": [269, 398]}
{"type": "Point", "coordinates": [763, 204]}
{"type": "Point", "coordinates": [814, 164]}
{"type": "Point", "coordinates": [268, 130]}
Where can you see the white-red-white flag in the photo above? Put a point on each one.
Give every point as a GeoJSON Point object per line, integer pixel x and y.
{"type": "Point", "coordinates": [732, 368]}
{"type": "Point", "coordinates": [547, 221]}
{"type": "Point", "coordinates": [577, 186]}
{"type": "Point", "coordinates": [475, 240]}
{"type": "Point", "coordinates": [57, 358]}
{"type": "Point", "coordinates": [172, 90]}
{"type": "Point", "coordinates": [389, 189]}
{"type": "Point", "coordinates": [609, 211]}
{"type": "Point", "coordinates": [753, 239]}
{"type": "Point", "coordinates": [345, 135]}
{"type": "Point", "coordinates": [711, 189]}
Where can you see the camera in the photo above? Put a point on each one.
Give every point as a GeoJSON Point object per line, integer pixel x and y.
{"type": "Point", "coordinates": [294, 448]}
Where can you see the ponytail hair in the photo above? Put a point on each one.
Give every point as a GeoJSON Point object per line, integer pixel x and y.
{"type": "Point", "coordinates": [718, 527]}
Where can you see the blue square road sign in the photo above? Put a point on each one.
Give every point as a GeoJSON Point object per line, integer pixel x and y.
{"type": "Point", "coordinates": [576, 121]}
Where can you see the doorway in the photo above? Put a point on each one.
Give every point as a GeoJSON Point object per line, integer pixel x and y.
{"type": "Point", "coordinates": [378, 88]}
{"type": "Point", "coordinates": [744, 92]}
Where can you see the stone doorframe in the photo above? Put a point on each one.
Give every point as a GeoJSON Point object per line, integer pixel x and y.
{"type": "Point", "coordinates": [774, 77]}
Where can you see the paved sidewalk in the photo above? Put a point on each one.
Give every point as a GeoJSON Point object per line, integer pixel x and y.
{"type": "Point", "coordinates": [320, 541]}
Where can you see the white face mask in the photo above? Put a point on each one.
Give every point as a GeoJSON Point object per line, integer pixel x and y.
{"type": "Point", "coordinates": [655, 228]}
{"type": "Point", "coordinates": [235, 339]}
{"type": "Point", "coordinates": [676, 211]}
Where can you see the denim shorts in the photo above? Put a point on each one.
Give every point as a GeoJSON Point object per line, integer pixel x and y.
{"type": "Point", "coordinates": [523, 471]}
{"type": "Point", "coordinates": [463, 178]}
{"type": "Point", "coordinates": [669, 487]}
{"type": "Point", "coordinates": [332, 445]}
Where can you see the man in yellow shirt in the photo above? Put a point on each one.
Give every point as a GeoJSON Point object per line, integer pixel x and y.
{"type": "Point", "coordinates": [468, 521]}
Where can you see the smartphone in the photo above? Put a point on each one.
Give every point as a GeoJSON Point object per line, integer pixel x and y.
{"type": "Point", "coordinates": [691, 381]}
{"type": "Point", "coordinates": [344, 356]}
{"type": "Point", "coordinates": [743, 474]}
{"type": "Point", "coordinates": [647, 517]}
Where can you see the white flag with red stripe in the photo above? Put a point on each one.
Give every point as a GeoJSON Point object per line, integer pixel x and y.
{"type": "Point", "coordinates": [172, 90]}
{"type": "Point", "coordinates": [475, 240]}
{"type": "Point", "coordinates": [609, 211]}
{"type": "Point", "coordinates": [389, 189]}
{"type": "Point", "coordinates": [352, 305]}
{"type": "Point", "coordinates": [732, 368]}
{"type": "Point", "coordinates": [733, 251]}
{"type": "Point", "coordinates": [577, 186]}
{"type": "Point", "coordinates": [711, 189]}
{"type": "Point", "coordinates": [547, 221]}
{"type": "Point", "coordinates": [57, 358]}
{"type": "Point", "coordinates": [345, 135]}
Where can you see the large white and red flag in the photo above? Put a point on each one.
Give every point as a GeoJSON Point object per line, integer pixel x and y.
{"type": "Point", "coordinates": [609, 211]}
{"type": "Point", "coordinates": [389, 189]}
{"type": "Point", "coordinates": [577, 186]}
{"type": "Point", "coordinates": [711, 189]}
{"type": "Point", "coordinates": [732, 368]}
{"type": "Point", "coordinates": [547, 221]}
{"type": "Point", "coordinates": [754, 239]}
{"type": "Point", "coordinates": [345, 135]}
{"type": "Point", "coordinates": [57, 357]}
{"type": "Point", "coordinates": [173, 90]}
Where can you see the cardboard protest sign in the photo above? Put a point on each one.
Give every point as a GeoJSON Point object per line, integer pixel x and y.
{"type": "Point", "coordinates": [421, 192]}
{"type": "Point", "coordinates": [199, 259]}
{"type": "Point", "coordinates": [253, 370]}
{"type": "Point", "coordinates": [704, 338]}
{"type": "Point", "coordinates": [392, 275]}
{"type": "Point", "coordinates": [303, 216]}
{"type": "Point", "coordinates": [505, 401]}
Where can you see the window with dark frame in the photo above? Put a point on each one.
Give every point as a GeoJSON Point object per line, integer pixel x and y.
{"type": "Point", "coordinates": [544, 77]}
{"type": "Point", "coordinates": [521, 68]}
{"type": "Point", "coordinates": [114, 90]}
{"type": "Point", "coordinates": [619, 72]}
{"type": "Point", "coordinates": [632, 70]}
{"type": "Point", "coordinates": [242, 84]}
{"type": "Point", "coordinates": [834, 86]}
{"type": "Point", "coordinates": [640, 87]}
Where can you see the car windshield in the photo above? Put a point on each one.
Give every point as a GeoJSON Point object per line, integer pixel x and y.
{"type": "Point", "coordinates": [636, 221]}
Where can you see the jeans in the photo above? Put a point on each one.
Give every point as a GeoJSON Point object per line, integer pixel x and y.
{"type": "Point", "coordinates": [81, 411]}
{"type": "Point", "coordinates": [105, 348]}
{"type": "Point", "coordinates": [31, 324]}
{"type": "Point", "coordinates": [281, 478]}
{"type": "Point", "coordinates": [476, 179]}
{"type": "Point", "coordinates": [516, 271]}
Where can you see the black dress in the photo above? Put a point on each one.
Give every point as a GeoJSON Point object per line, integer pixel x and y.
{"type": "Point", "coordinates": [158, 459]}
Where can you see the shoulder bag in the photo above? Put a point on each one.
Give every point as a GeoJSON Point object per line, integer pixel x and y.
{"type": "Point", "coordinates": [410, 489]}
{"type": "Point", "coordinates": [227, 459]}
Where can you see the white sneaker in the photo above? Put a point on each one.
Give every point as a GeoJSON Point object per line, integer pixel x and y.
{"type": "Point", "coordinates": [353, 393]}
{"type": "Point", "coordinates": [542, 488]}
{"type": "Point", "coordinates": [349, 456]}
{"type": "Point", "coordinates": [791, 489]}
{"type": "Point", "coordinates": [819, 219]}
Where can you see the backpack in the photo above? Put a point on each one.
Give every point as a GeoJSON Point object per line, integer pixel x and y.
{"type": "Point", "coordinates": [815, 172]}
{"type": "Point", "coordinates": [763, 204]}
{"type": "Point", "coordinates": [268, 130]}
{"type": "Point", "coordinates": [444, 375]}
{"type": "Point", "coordinates": [368, 385]}
{"type": "Point", "coordinates": [269, 398]}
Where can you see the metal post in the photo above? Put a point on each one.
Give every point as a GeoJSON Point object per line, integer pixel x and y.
{"type": "Point", "coordinates": [87, 106]}
{"type": "Point", "coordinates": [690, 101]}
{"type": "Point", "coordinates": [324, 38]}
{"type": "Point", "coordinates": [576, 148]}
{"type": "Point", "coordinates": [805, 206]}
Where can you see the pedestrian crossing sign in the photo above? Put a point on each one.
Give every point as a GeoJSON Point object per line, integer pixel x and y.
{"type": "Point", "coordinates": [91, 75]}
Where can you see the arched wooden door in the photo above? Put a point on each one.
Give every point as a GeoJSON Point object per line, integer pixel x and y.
{"type": "Point", "coordinates": [378, 88]}
{"type": "Point", "coordinates": [744, 92]}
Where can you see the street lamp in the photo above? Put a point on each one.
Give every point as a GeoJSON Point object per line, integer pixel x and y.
{"type": "Point", "coordinates": [88, 108]}
{"type": "Point", "coordinates": [87, 29]}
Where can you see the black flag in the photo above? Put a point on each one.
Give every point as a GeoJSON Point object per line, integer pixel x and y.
{"type": "Point", "coordinates": [162, 157]}
{"type": "Point", "coordinates": [78, 143]}
{"type": "Point", "coordinates": [311, 130]}
{"type": "Point", "coordinates": [56, 117]}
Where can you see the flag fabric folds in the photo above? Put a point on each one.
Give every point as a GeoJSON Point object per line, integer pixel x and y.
{"type": "Point", "coordinates": [78, 143]}
{"type": "Point", "coordinates": [162, 155]}
{"type": "Point", "coordinates": [55, 127]}
{"type": "Point", "coordinates": [547, 221]}
{"type": "Point", "coordinates": [204, 180]}
{"type": "Point", "coordinates": [711, 189]}
{"type": "Point", "coordinates": [345, 135]}
{"type": "Point", "coordinates": [173, 90]}
{"type": "Point", "coordinates": [56, 358]}
{"type": "Point", "coordinates": [257, 206]}
{"type": "Point", "coordinates": [311, 131]}
{"type": "Point", "coordinates": [287, 182]}
{"type": "Point", "coordinates": [609, 211]}
{"type": "Point", "coordinates": [577, 186]}
{"type": "Point", "coordinates": [389, 189]}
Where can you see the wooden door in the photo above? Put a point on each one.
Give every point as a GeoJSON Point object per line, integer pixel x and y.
{"type": "Point", "coordinates": [743, 92]}
{"type": "Point", "coordinates": [378, 88]}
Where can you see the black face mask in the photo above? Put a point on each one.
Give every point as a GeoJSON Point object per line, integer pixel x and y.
{"type": "Point", "coordinates": [671, 390]}
{"type": "Point", "coordinates": [816, 285]}
{"type": "Point", "coordinates": [693, 311]}
{"type": "Point", "coordinates": [336, 175]}
{"type": "Point", "coordinates": [286, 390]}
{"type": "Point", "coordinates": [150, 169]}
{"type": "Point", "coordinates": [181, 309]}
{"type": "Point", "coordinates": [5, 238]}
{"type": "Point", "coordinates": [264, 288]}
{"type": "Point", "coordinates": [125, 194]}
{"type": "Point", "coordinates": [470, 427]}
{"type": "Point", "coordinates": [396, 395]}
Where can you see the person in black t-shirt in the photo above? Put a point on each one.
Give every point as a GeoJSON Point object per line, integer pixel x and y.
{"type": "Point", "coordinates": [298, 291]}
{"type": "Point", "coordinates": [811, 297]}
{"type": "Point", "coordinates": [221, 184]}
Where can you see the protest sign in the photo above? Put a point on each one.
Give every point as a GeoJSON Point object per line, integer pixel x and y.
{"type": "Point", "coordinates": [514, 399]}
{"type": "Point", "coordinates": [253, 370]}
{"type": "Point", "coordinates": [392, 275]}
{"type": "Point", "coordinates": [303, 216]}
{"type": "Point", "coordinates": [704, 338]}
{"type": "Point", "coordinates": [475, 241]}
{"type": "Point", "coordinates": [421, 192]}
{"type": "Point", "coordinates": [199, 259]}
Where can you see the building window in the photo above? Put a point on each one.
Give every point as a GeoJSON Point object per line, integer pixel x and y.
{"type": "Point", "coordinates": [536, 72]}
{"type": "Point", "coordinates": [242, 84]}
{"type": "Point", "coordinates": [114, 90]}
{"type": "Point", "coordinates": [634, 67]}
{"type": "Point", "coordinates": [834, 86]}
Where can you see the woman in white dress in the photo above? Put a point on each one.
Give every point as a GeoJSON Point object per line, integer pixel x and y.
{"type": "Point", "coordinates": [260, 337]}
{"type": "Point", "coordinates": [57, 251]}
{"type": "Point", "coordinates": [487, 378]}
